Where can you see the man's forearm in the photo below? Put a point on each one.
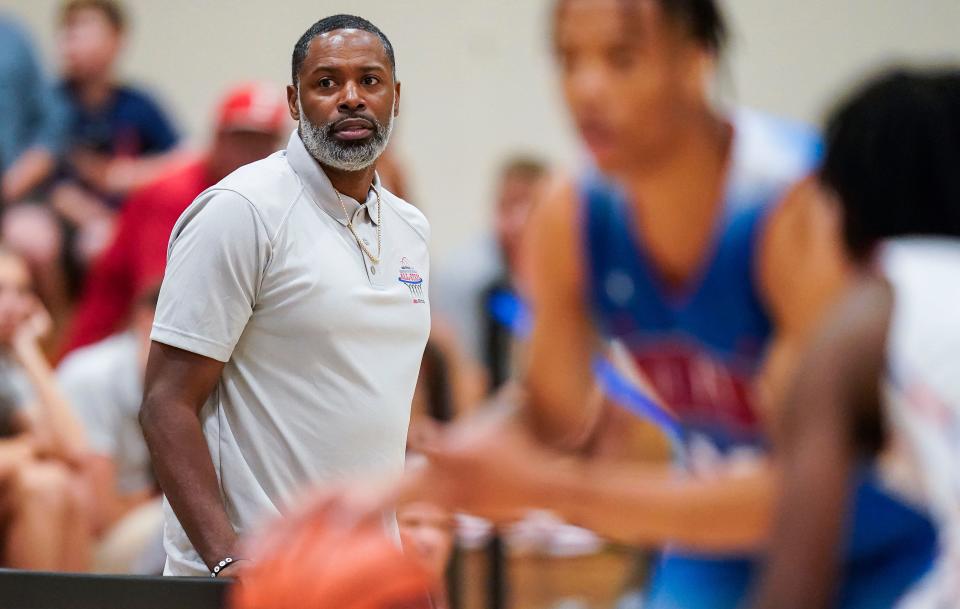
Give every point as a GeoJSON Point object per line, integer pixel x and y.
{"type": "Point", "coordinates": [186, 475]}
{"type": "Point", "coordinates": [651, 505]}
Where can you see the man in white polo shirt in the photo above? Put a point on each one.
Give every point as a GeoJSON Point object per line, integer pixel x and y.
{"type": "Point", "coordinates": [293, 314]}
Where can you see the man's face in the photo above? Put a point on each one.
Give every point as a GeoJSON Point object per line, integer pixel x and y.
{"type": "Point", "coordinates": [629, 75]}
{"type": "Point", "coordinates": [17, 300]}
{"type": "Point", "coordinates": [346, 99]}
{"type": "Point", "coordinates": [89, 44]}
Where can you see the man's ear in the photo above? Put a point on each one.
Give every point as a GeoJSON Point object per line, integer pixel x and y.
{"type": "Point", "coordinates": [292, 105]}
{"type": "Point", "coordinates": [396, 101]}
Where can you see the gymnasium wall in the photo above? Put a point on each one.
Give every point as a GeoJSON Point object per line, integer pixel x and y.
{"type": "Point", "coordinates": [477, 76]}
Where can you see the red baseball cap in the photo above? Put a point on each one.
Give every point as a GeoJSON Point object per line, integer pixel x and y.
{"type": "Point", "coordinates": [253, 107]}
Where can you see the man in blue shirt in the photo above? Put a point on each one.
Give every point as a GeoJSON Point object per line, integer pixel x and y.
{"type": "Point", "coordinates": [120, 138]}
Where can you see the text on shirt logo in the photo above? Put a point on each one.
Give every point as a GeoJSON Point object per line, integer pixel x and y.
{"type": "Point", "coordinates": [412, 279]}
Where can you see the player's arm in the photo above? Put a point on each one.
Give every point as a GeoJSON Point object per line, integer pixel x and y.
{"type": "Point", "coordinates": [835, 389]}
{"type": "Point", "coordinates": [499, 473]}
{"type": "Point", "coordinates": [177, 385]}
{"type": "Point", "coordinates": [560, 407]}
{"type": "Point", "coordinates": [803, 272]}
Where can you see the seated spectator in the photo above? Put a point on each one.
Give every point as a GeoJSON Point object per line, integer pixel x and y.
{"type": "Point", "coordinates": [105, 384]}
{"type": "Point", "coordinates": [250, 122]}
{"type": "Point", "coordinates": [32, 133]}
{"type": "Point", "coordinates": [43, 503]}
{"type": "Point", "coordinates": [120, 138]}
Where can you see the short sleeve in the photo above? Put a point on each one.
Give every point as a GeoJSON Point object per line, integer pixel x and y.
{"type": "Point", "coordinates": [92, 404]}
{"type": "Point", "coordinates": [218, 251]}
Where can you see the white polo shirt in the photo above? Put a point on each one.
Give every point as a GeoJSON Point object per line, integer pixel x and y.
{"type": "Point", "coordinates": [322, 346]}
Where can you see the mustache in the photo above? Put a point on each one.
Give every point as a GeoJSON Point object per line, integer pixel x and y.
{"type": "Point", "coordinates": [371, 121]}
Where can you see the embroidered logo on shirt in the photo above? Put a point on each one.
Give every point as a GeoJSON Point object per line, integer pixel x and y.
{"type": "Point", "coordinates": [412, 279]}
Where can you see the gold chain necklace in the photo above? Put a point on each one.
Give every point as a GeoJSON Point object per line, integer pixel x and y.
{"type": "Point", "coordinates": [374, 259]}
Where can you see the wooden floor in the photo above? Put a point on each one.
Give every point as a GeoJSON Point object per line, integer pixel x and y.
{"type": "Point", "coordinates": [539, 582]}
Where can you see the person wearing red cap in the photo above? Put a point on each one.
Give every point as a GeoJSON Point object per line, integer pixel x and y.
{"type": "Point", "coordinates": [250, 120]}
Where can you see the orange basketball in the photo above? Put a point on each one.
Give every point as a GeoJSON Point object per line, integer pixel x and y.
{"type": "Point", "coordinates": [305, 563]}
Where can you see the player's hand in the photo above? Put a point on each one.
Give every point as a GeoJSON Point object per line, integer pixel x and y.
{"type": "Point", "coordinates": [350, 504]}
{"type": "Point", "coordinates": [487, 466]}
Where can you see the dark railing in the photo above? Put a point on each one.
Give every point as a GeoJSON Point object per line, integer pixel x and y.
{"type": "Point", "coordinates": [36, 590]}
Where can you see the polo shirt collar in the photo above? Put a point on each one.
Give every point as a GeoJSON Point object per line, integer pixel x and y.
{"type": "Point", "coordinates": [320, 188]}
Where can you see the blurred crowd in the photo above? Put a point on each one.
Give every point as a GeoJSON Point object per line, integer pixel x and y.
{"type": "Point", "coordinates": [94, 175]}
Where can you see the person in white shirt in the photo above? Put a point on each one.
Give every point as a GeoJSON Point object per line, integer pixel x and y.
{"type": "Point", "coordinates": [293, 313]}
{"type": "Point", "coordinates": [888, 358]}
{"type": "Point", "coordinates": [104, 383]}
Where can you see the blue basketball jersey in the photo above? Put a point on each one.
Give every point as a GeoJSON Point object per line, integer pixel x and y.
{"type": "Point", "coordinates": [701, 346]}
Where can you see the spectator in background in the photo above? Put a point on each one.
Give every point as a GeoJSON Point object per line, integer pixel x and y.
{"type": "Point", "coordinates": [120, 138]}
{"type": "Point", "coordinates": [33, 124]}
{"type": "Point", "coordinates": [463, 288]}
{"type": "Point", "coordinates": [32, 117]}
{"type": "Point", "coordinates": [251, 119]}
{"type": "Point", "coordinates": [45, 523]}
{"type": "Point", "coordinates": [105, 385]}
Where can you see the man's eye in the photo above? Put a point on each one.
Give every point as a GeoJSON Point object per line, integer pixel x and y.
{"type": "Point", "coordinates": [370, 80]}
{"type": "Point", "coordinates": [325, 83]}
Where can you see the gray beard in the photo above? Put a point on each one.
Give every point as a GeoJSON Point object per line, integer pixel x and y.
{"type": "Point", "coordinates": [345, 156]}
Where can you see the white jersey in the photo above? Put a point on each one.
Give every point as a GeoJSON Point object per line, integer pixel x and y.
{"type": "Point", "coordinates": [922, 394]}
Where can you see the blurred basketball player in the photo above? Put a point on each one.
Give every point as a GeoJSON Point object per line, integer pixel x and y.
{"type": "Point", "coordinates": [696, 245]}
{"type": "Point", "coordinates": [890, 351]}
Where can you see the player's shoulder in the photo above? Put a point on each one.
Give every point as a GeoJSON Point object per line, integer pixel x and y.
{"type": "Point", "coordinates": [556, 227]}
{"type": "Point", "coordinates": [407, 212]}
{"type": "Point", "coordinates": [558, 205]}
